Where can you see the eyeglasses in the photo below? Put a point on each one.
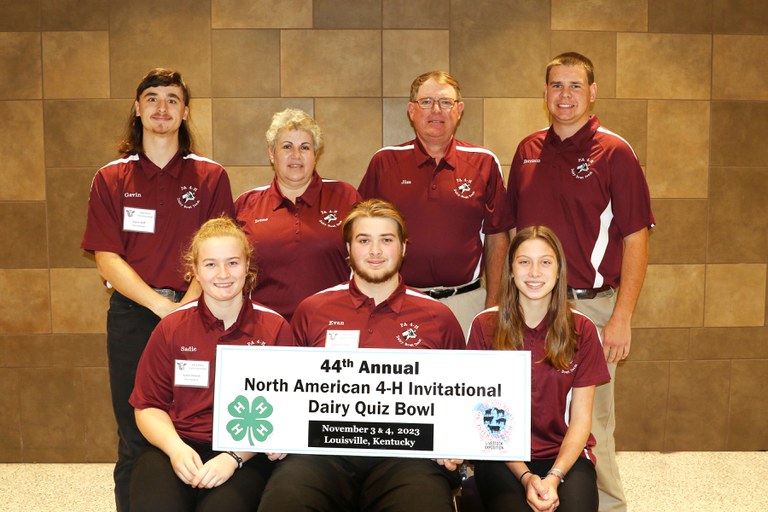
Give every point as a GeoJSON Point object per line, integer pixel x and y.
{"type": "Point", "coordinates": [428, 103]}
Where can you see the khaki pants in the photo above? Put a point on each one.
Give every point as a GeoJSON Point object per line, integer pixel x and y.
{"type": "Point", "coordinates": [609, 485]}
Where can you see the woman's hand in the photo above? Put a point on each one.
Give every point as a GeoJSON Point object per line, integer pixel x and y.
{"type": "Point", "coordinates": [185, 462]}
{"type": "Point", "coordinates": [215, 472]}
{"type": "Point", "coordinates": [541, 494]}
{"type": "Point", "coordinates": [276, 456]}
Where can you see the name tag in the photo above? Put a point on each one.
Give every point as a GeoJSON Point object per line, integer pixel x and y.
{"type": "Point", "coordinates": [342, 339]}
{"type": "Point", "coordinates": [191, 373]}
{"type": "Point", "coordinates": [139, 220]}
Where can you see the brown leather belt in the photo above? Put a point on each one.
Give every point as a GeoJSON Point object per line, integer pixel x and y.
{"type": "Point", "coordinates": [587, 293]}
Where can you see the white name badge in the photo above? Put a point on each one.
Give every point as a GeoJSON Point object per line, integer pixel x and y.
{"type": "Point", "coordinates": [342, 339]}
{"type": "Point", "coordinates": [192, 374]}
{"type": "Point", "coordinates": [139, 220]}
{"type": "Point", "coordinates": [452, 404]}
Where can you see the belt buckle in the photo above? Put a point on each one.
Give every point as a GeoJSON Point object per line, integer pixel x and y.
{"type": "Point", "coordinates": [442, 293]}
{"type": "Point", "coordinates": [169, 294]}
{"type": "Point", "coordinates": [586, 293]}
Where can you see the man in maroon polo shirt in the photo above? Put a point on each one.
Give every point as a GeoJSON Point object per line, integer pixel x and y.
{"type": "Point", "coordinates": [586, 184]}
{"type": "Point", "coordinates": [143, 209]}
{"type": "Point", "coordinates": [373, 310]}
{"type": "Point", "coordinates": [452, 196]}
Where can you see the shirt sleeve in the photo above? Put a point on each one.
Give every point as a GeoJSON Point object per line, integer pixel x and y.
{"type": "Point", "coordinates": [512, 190]}
{"type": "Point", "coordinates": [475, 340]}
{"type": "Point", "coordinates": [284, 336]}
{"type": "Point", "coordinates": [498, 214]}
{"type": "Point", "coordinates": [154, 375]}
{"type": "Point", "coordinates": [453, 337]}
{"type": "Point", "coordinates": [592, 369]}
{"type": "Point", "coordinates": [630, 197]}
{"type": "Point", "coordinates": [480, 333]}
{"type": "Point", "coordinates": [221, 200]}
{"type": "Point", "coordinates": [104, 223]}
{"type": "Point", "coordinates": [300, 325]}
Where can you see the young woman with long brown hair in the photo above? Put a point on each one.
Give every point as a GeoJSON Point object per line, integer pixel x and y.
{"type": "Point", "coordinates": [567, 363]}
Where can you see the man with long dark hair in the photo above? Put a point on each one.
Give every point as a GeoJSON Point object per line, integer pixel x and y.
{"type": "Point", "coordinates": [143, 210]}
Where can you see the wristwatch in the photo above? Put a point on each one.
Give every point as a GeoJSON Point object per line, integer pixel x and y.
{"type": "Point", "coordinates": [237, 458]}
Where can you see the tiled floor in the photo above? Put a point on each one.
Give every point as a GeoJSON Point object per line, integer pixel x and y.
{"type": "Point", "coordinates": [654, 482]}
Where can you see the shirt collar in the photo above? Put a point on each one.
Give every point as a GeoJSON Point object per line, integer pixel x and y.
{"type": "Point", "coordinates": [423, 158]}
{"type": "Point", "coordinates": [540, 331]}
{"type": "Point", "coordinates": [394, 302]}
{"type": "Point", "coordinates": [173, 167]}
{"type": "Point", "coordinates": [580, 139]}
{"type": "Point", "coordinates": [309, 197]}
{"type": "Point", "coordinates": [211, 323]}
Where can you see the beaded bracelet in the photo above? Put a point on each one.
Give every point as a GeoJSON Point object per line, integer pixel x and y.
{"type": "Point", "coordinates": [237, 458]}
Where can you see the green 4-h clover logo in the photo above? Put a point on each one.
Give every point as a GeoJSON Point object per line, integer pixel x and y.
{"type": "Point", "coordinates": [249, 419]}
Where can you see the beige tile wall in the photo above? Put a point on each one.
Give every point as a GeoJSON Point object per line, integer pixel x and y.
{"type": "Point", "coordinates": [681, 80]}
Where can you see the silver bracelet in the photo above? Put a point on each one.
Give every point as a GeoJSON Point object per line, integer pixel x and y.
{"type": "Point", "coordinates": [558, 473]}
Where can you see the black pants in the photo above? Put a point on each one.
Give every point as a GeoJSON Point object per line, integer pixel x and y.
{"type": "Point", "coordinates": [331, 483]}
{"type": "Point", "coordinates": [500, 489]}
{"type": "Point", "coordinates": [128, 328]}
{"type": "Point", "coordinates": [156, 488]}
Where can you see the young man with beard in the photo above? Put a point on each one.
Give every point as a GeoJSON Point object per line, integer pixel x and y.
{"type": "Point", "coordinates": [373, 310]}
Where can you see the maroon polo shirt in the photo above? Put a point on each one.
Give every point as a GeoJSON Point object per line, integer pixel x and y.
{"type": "Point", "coordinates": [589, 189]}
{"type": "Point", "coordinates": [298, 248]}
{"type": "Point", "coordinates": [407, 319]}
{"type": "Point", "coordinates": [551, 389]}
{"type": "Point", "coordinates": [191, 333]}
{"type": "Point", "coordinates": [184, 194]}
{"type": "Point", "coordinates": [448, 207]}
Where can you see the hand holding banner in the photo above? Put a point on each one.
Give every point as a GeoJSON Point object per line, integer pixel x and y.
{"type": "Point", "coordinates": [375, 402]}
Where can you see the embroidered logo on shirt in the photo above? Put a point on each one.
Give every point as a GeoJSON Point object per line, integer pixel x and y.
{"type": "Point", "coordinates": [330, 218]}
{"type": "Point", "coordinates": [188, 198]}
{"type": "Point", "coordinates": [257, 342]}
{"type": "Point", "coordinates": [188, 348]}
{"type": "Point", "coordinates": [406, 182]}
{"type": "Point", "coordinates": [409, 337]}
{"type": "Point", "coordinates": [582, 171]}
{"type": "Point", "coordinates": [569, 370]}
{"type": "Point", "coordinates": [532, 161]}
{"type": "Point", "coordinates": [256, 221]}
{"type": "Point", "coordinates": [464, 188]}
{"type": "Point", "coordinates": [132, 194]}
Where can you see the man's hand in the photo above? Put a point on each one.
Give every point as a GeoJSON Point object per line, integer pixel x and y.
{"type": "Point", "coordinates": [450, 464]}
{"type": "Point", "coordinates": [617, 337]}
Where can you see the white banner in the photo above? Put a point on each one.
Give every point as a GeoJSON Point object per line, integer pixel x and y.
{"type": "Point", "coordinates": [374, 402]}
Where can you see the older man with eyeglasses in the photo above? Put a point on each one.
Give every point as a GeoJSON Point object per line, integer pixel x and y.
{"type": "Point", "coordinates": [453, 198]}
